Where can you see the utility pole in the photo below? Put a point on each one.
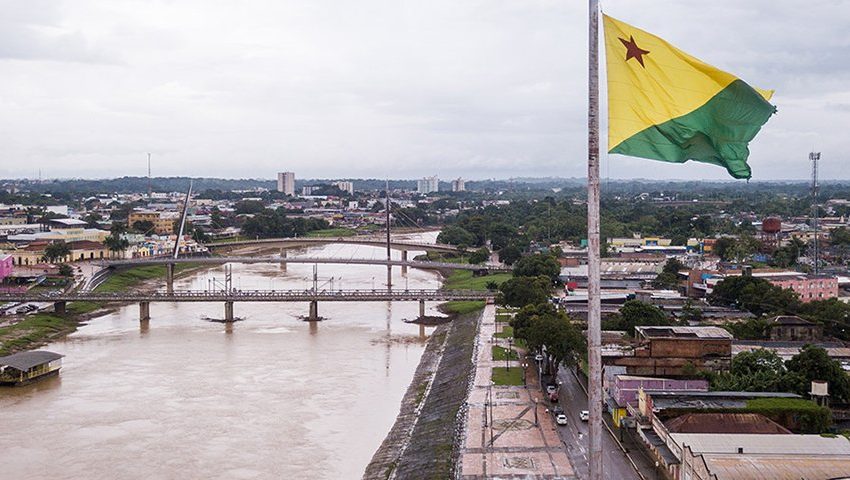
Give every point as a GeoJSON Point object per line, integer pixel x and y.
{"type": "Point", "coordinates": [389, 251]}
{"type": "Point", "coordinates": [815, 158]}
{"type": "Point", "coordinates": [594, 333]}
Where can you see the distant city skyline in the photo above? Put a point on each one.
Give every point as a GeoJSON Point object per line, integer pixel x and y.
{"type": "Point", "coordinates": [468, 89]}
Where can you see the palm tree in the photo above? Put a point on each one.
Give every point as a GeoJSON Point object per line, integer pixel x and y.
{"type": "Point", "coordinates": [116, 243]}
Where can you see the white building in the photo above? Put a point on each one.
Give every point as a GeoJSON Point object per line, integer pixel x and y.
{"type": "Point", "coordinates": [458, 185]}
{"type": "Point", "coordinates": [344, 186]}
{"type": "Point", "coordinates": [428, 185]}
{"type": "Point", "coordinates": [286, 183]}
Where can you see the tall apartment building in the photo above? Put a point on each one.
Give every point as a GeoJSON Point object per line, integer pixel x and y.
{"type": "Point", "coordinates": [344, 186]}
{"type": "Point", "coordinates": [286, 183]}
{"type": "Point", "coordinates": [428, 185]}
{"type": "Point", "coordinates": [458, 185]}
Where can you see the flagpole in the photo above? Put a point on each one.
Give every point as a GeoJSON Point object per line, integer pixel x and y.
{"type": "Point", "coordinates": [594, 334]}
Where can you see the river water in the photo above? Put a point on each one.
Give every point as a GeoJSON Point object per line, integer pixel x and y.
{"type": "Point", "coordinates": [270, 396]}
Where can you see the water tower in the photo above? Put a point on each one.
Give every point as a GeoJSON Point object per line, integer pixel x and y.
{"type": "Point", "coordinates": [770, 229]}
{"type": "Point", "coordinates": [820, 392]}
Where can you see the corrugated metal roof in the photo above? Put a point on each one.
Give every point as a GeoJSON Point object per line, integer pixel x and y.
{"type": "Point", "coordinates": [735, 423]}
{"type": "Point", "coordinates": [761, 444]}
{"type": "Point", "coordinates": [782, 467]}
{"type": "Point", "coordinates": [26, 360]}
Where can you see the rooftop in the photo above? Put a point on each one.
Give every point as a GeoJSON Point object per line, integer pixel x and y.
{"type": "Point", "coordinates": [703, 332]}
{"type": "Point", "coordinates": [752, 423]}
{"type": "Point", "coordinates": [26, 360]}
{"type": "Point", "coordinates": [789, 320]}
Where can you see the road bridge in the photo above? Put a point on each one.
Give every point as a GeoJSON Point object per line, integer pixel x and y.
{"type": "Point", "coordinates": [283, 259]}
{"type": "Point", "coordinates": [229, 297]}
{"type": "Point", "coordinates": [369, 241]}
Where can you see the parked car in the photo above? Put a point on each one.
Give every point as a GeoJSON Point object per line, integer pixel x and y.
{"type": "Point", "coordinates": [551, 388]}
{"type": "Point", "coordinates": [538, 358]}
{"type": "Point", "coordinates": [24, 309]}
{"type": "Point", "coordinates": [584, 415]}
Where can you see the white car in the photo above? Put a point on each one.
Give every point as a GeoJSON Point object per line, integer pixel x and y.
{"type": "Point", "coordinates": [561, 419]}
{"type": "Point", "coordinates": [584, 415]}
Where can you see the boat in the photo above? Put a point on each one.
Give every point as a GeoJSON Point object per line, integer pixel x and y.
{"type": "Point", "coordinates": [27, 367]}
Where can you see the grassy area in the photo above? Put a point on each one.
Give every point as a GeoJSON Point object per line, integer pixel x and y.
{"type": "Point", "coordinates": [461, 307]}
{"type": "Point", "coordinates": [507, 331]}
{"type": "Point", "coordinates": [506, 310]}
{"type": "Point", "coordinates": [503, 318]}
{"type": "Point", "coordinates": [32, 329]}
{"type": "Point", "coordinates": [463, 280]}
{"type": "Point", "coordinates": [126, 279]}
{"type": "Point", "coordinates": [332, 232]}
{"type": "Point", "coordinates": [238, 238]}
{"type": "Point", "coordinates": [503, 376]}
{"type": "Point", "coordinates": [501, 353]}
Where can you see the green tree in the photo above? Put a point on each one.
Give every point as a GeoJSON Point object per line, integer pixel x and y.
{"type": "Point", "coordinates": [635, 313]}
{"type": "Point", "coordinates": [479, 256]}
{"type": "Point", "coordinates": [832, 313]}
{"type": "Point", "coordinates": [510, 254]}
{"type": "Point", "coordinates": [56, 251]}
{"type": "Point", "coordinates": [813, 363]}
{"type": "Point", "coordinates": [756, 295]}
{"type": "Point", "coordinates": [501, 234]}
{"type": "Point", "coordinates": [65, 270]}
{"type": "Point", "coordinates": [454, 235]}
{"type": "Point", "coordinates": [521, 291]}
{"type": "Point", "coordinates": [537, 265]}
{"type": "Point", "coordinates": [116, 243]}
{"type": "Point", "coordinates": [541, 325]}
{"type": "Point", "coordinates": [749, 329]}
{"type": "Point", "coordinates": [669, 276]}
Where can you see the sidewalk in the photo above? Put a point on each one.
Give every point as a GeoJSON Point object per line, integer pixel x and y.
{"type": "Point", "coordinates": [519, 438]}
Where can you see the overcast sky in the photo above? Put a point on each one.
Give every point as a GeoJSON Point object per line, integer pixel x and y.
{"type": "Point", "coordinates": [376, 88]}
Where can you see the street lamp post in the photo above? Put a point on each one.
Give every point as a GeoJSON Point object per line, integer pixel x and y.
{"type": "Point", "coordinates": [508, 356]}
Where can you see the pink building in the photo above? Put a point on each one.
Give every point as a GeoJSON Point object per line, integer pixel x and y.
{"type": "Point", "coordinates": [6, 265]}
{"type": "Point", "coordinates": [809, 287]}
{"type": "Point", "coordinates": [625, 388]}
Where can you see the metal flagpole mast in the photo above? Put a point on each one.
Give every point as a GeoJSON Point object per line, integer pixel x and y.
{"type": "Point", "coordinates": [594, 333]}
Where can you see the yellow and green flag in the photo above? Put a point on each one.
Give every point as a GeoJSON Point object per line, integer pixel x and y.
{"type": "Point", "coordinates": [664, 104]}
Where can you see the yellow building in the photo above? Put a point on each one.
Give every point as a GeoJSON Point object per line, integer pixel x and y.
{"type": "Point", "coordinates": [162, 224]}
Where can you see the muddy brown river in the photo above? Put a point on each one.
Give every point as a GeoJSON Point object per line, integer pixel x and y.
{"type": "Point", "coordinates": [267, 397]}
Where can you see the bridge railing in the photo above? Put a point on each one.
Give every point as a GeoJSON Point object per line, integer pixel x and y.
{"type": "Point", "coordinates": [237, 294]}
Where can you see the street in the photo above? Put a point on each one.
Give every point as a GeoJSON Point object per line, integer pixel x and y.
{"type": "Point", "coordinates": [616, 466]}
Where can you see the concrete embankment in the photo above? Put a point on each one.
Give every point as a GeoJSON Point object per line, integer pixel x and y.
{"type": "Point", "coordinates": [421, 443]}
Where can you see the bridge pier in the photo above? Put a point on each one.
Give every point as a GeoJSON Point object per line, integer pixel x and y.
{"type": "Point", "coordinates": [421, 309]}
{"type": "Point", "coordinates": [389, 278]}
{"type": "Point", "coordinates": [228, 311]}
{"type": "Point", "coordinates": [169, 278]}
{"type": "Point", "coordinates": [59, 308]}
{"type": "Point", "coordinates": [283, 259]}
{"type": "Point", "coordinates": [404, 259]}
{"type": "Point", "coordinates": [314, 311]}
{"type": "Point", "coordinates": [144, 311]}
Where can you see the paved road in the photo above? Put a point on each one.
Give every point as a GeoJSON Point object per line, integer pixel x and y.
{"type": "Point", "coordinates": [574, 435]}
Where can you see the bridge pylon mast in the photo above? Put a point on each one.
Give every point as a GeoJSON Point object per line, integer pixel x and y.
{"type": "Point", "coordinates": [389, 251]}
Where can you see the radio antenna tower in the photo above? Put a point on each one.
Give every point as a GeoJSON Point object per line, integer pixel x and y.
{"type": "Point", "coordinates": [815, 157]}
{"type": "Point", "coordinates": [150, 188]}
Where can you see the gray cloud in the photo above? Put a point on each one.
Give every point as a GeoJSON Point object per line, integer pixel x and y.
{"type": "Point", "coordinates": [326, 88]}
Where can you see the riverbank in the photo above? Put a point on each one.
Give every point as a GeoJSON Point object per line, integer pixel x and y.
{"type": "Point", "coordinates": [422, 442]}
{"type": "Point", "coordinates": [34, 331]}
